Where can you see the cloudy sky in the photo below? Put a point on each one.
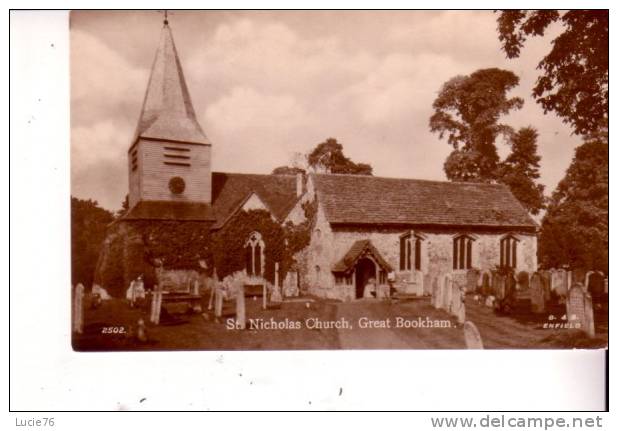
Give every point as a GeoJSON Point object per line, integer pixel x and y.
{"type": "Point", "coordinates": [267, 85]}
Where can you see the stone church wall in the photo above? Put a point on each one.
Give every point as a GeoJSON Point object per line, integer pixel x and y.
{"type": "Point", "coordinates": [329, 245]}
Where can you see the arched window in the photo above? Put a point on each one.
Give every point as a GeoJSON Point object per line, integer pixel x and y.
{"type": "Point", "coordinates": [508, 252]}
{"type": "Point", "coordinates": [254, 254]}
{"type": "Point", "coordinates": [462, 252]}
{"type": "Point", "coordinates": [406, 242]}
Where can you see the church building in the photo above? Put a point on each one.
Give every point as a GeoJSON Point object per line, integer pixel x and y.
{"type": "Point", "coordinates": [399, 232]}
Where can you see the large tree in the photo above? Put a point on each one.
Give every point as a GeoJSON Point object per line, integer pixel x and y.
{"type": "Point", "coordinates": [575, 229]}
{"type": "Point", "coordinates": [468, 110]}
{"type": "Point", "coordinates": [520, 170]}
{"type": "Point", "coordinates": [88, 225]}
{"type": "Point", "coordinates": [575, 75]}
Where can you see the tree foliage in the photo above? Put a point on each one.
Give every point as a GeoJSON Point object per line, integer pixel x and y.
{"type": "Point", "coordinates": [520, 170]}
{"type": "Point", "coordinates": [329, 156]}
{"type": "Point", "coordinates": [88, 225]}
{"type": "Point", "coordinates": [467, 111]}
{"type": "Point", "coordinates": [575, 229]}
{"type": "Point", "coordinates": [575, 73]}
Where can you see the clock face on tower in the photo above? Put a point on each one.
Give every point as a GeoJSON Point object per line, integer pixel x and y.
{"type": "Point", "coordinates": [176, 185]}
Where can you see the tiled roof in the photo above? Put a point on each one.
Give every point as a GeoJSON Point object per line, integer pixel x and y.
{"type": "Point", "coordinates": [230, 191]}
{"type": "Point", "coordinates": [361, 199]}
{"type": "Point", "coordinates": [167, 112]}
{"type": "Point", "coordinates": [163, 210]}
{"type": "Point", "coordinates": [359, 249]}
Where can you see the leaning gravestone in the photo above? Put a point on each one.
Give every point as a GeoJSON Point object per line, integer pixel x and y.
{"type": "Point", "coordinates": [472, 336]}
{"type": "Point", "coordinates": [537, 293]}
{"type": "Point", "coordinates": [78, 309]}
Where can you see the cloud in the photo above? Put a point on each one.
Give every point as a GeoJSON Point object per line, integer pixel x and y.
{"type": "Point", "coordinates": [266, 85]}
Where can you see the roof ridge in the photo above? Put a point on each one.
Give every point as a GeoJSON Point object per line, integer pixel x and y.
{"type": "Point", "coordinates": [409, 179]}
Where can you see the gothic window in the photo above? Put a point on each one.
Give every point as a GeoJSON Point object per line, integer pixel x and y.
{"type": "Point", "coordinates": [508, 252]}
{"type": "Point", "coordinates": [462, 252]}
{"type": "Point", "coordinates": [254, 255]}
{"type": "Point", "coordinates": [406, 242]}
{"type": "Point", "coordinates": [405, 252]}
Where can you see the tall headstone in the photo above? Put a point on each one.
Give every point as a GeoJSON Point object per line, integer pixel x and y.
{"type": "Point", "coordinates": [580, 310]}
{"type": "Point", "coordinates": [560, 282]}
{"type": "Point", "coordinates": [240, 306]}
{"type": "Point", "coordinates": [78, 309]}
{"type": "Point", "coordinates": [546, 283]}
{"type": "Point", "coordinates": [461, 314]}
{"type": "Point", "coordinates": [589, 315]}
{"type": "Point", "coordinates": [440, 292]}
{"type": "Point", "coordinates": [575, 305]}
{"type": "Point", "coordinates": [434, 292]}
{"type": "Point", "coordinates": [213, 287]}
{"type": "Point", "coordinates": [594, 283]}
{"type": "Point", "coordinates": [499, 286]}
{"type": "Point", "coordinates": [537, 293]}
{"type": "Point", "coordinates": [218, 301]}
{"type": "Point", "coordinates": [486, 283]}
{"type": "Point", "coordinates": [472, 336]}
{"type": "Point", "coordinates": [472, 277]}
{"type": "Point", "coordinates": [448, 293]}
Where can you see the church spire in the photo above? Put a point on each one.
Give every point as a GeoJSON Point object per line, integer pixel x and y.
{"type": "Point", "coordinates": [167, 112]}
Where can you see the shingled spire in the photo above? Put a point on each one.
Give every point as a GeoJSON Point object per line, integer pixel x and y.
{"type": "Point", "coordinates": [167, 112]}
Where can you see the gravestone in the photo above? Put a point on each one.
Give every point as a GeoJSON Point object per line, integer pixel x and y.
{"type": "Point", "coordinates": [461, 315]}
{"type": "Point", "coordinates": [78, 309]}
{"type": "Point", "coordinates": [589, 315]}
{"type": "Point", "coordinates": [606, 285]}
{"type": "Point", "coordinates": [580, 310]}
{"type": "Point", "coordinates": [560, 282]}
{"type": "Point", "coordinates": [218, 301]}
{"type": "Point", "coordinates": [546, 283]}
{"type": "Point", "coordinates": [523, 281]}
{"type": "Point", "coordinates": [486, 283]}
{"type": "Point", "coordinates": [447, 293]}
{"type": "Point", "coordinates": [434, 292]}
{"type": "Point", "coordinates": [213, 287]}
{"type": "Point", "coordinates": [155, 307]}
{"type": "Point", "coordinates": [457, 303]}
{"type": "Point", "coordinates": [240, 306]}
{"type": "Point", "coordinates": [440, 292]}
{"type": "Point", "coordinates": [546, 276]}
{"type": "Point", "coordinates": [537, 293]}
{"type": "Point", "coordinates": [472, 336]}
{"type": "Point", "coordinates": [499, 289]}
{"type": "Point", "coordinates": [578, 276]}
{"type": "Point", "coordinates": [472, 278]}
{"type": "Point", "coordinates": [576, 312]}
{"type": "Point", "coordinates": [595, 283]}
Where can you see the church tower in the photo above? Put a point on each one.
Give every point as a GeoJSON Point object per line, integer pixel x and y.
{"type": "Point", "coordinates": [169, 157]}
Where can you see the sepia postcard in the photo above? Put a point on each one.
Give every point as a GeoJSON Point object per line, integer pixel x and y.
{"type": "Point", "coordinates": [300, 180]}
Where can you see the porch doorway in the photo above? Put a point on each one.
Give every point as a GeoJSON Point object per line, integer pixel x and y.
{"type": "Point", "coordinates": [365, 269]}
